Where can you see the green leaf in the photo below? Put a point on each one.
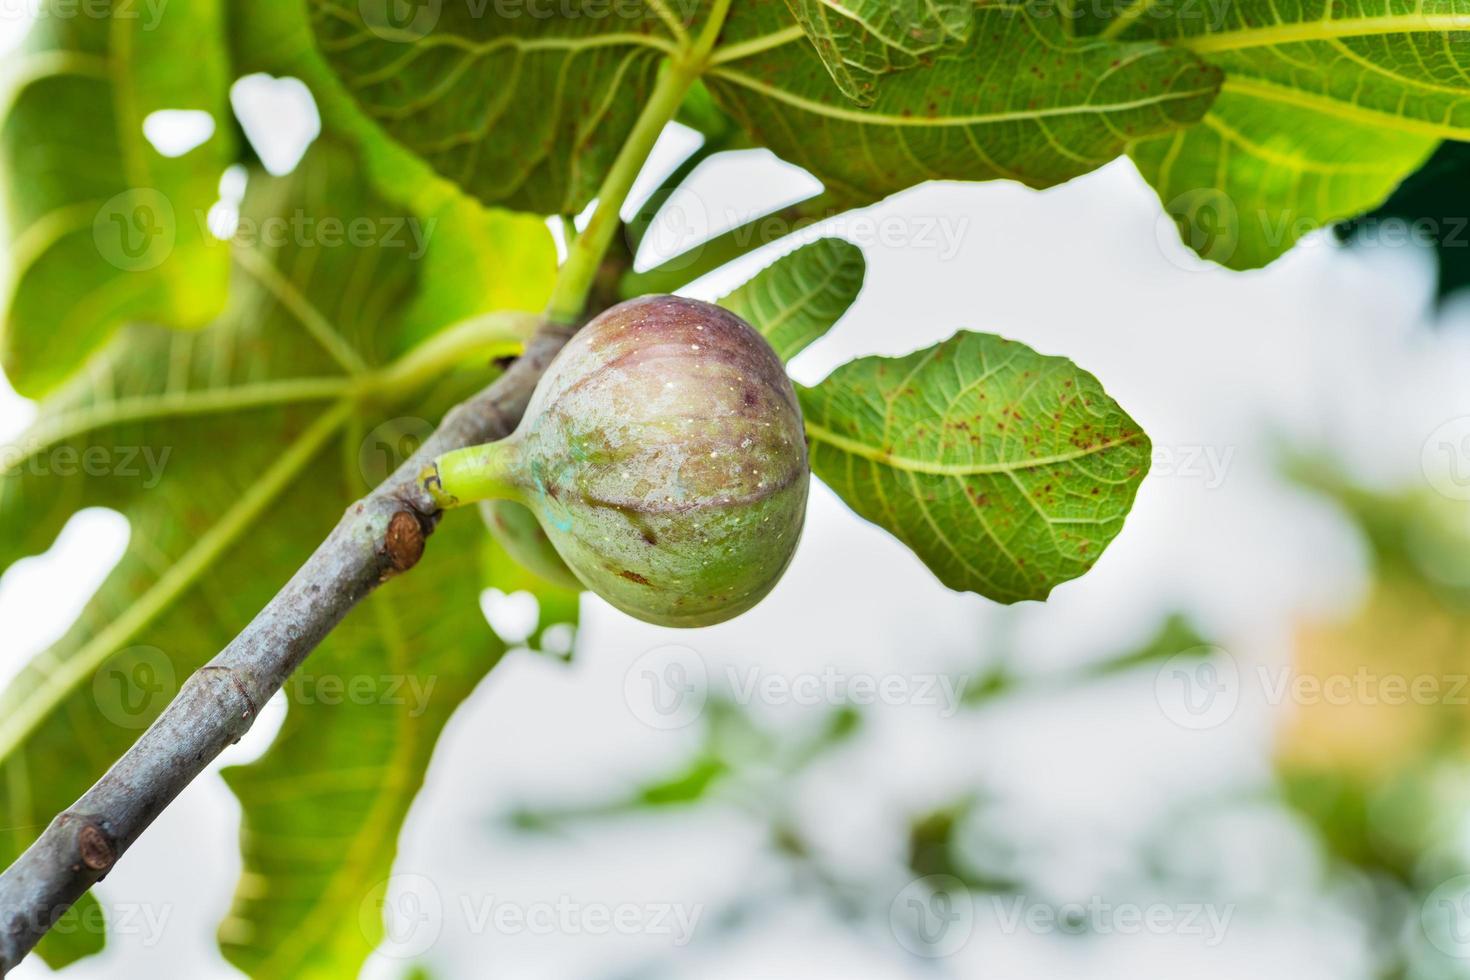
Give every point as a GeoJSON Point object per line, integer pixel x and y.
{"type": "Point", "coordinates": [461, 278]}
{"type": "Point", "coordinates": [521, 110]}
{"type": "Point", "coordinates": [1431, 208]}
{"type": "Point", "coordinates": [101, 227]}
{"type": "Point", "coordinates": [801, 296]}
{"type": "Point", "coordinates": [324, 807]}
{"type": "Point", "coordinates": [862, 40]}
{"type": "Point", "coordinates": [1326, 106]}
{"type": "Point", "coordinates": [230, 453]}
{"type": "Point", "coordinates": [1021, 100]}
{"type": "Point", "coordinates": [1006, 471]}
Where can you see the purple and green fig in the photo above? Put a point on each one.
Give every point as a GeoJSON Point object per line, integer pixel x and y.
{"type": "Point", "coordinates": [663, 454]}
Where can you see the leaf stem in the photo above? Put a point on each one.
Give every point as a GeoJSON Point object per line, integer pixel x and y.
{"type": "Point", "coordinates": [640, 223]}
{"type": "Point", "coordinates": [723, 249]}
{"type": "Point", "coordinates": [584, 256]}
{"type": "Point", "coordinates": [502, 332]}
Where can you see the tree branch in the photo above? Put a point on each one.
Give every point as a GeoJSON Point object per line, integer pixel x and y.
{"type": "Point", "coordinates": [380, 536]}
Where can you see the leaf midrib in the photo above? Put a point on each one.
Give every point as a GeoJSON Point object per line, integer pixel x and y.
{"type": "Point", "coordinates": [908, 464]}
{"type": "Point", "coordinates": [863, 117]}
{"type": "Point", "coordinates": [148, 408]}
{"type": "Point", "coordinates": [1351, 111]}
{"type": "Point", "coordinates": [1324, 30]}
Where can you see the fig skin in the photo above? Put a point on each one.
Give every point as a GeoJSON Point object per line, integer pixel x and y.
{"type": "Point", "coordinates": [663, 452]}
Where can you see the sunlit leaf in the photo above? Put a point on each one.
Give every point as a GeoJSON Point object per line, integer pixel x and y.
{"type": "Point", "coordinates": [1326, 106]}
{"type": "Point", "coordinates": [101, 228]}
{"type": "Point", "coordinates": [231, 451]}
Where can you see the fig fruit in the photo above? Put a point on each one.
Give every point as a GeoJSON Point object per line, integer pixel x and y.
{"type": "Point", "coordinates": [664, 456]}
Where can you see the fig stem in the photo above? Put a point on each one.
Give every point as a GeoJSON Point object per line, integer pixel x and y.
{"type": "Point", "coordinates": [473, 475]}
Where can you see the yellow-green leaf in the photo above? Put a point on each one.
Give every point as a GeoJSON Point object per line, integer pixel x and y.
{"type": "Point", "coordinates": [102, 228]}
{"type": "Point", "coordinates": [1327, 105]}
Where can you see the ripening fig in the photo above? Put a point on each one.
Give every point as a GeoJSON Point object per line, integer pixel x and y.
{"type": "Point", "coordinates": [663, 454]}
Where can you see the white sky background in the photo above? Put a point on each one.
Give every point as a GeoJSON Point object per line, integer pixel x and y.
{"type": "Point", "coordinates": [1327, 349]}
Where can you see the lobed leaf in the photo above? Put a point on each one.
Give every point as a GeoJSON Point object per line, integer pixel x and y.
{"type": "Point", "coordinates": [801, 296]}
{"type": "Point", "coordinates": [230, 453]}
{"type": "Point", "coordinates": [1326, 106]}
{"type": "Point", "coordinates": [1007, 472]}
{"type": "Point", "coordinates": [519, 109]}
{"type": "Point", "coordinates": [102, 228]}
{"type": "Point", "coordinates": [1021, 100]}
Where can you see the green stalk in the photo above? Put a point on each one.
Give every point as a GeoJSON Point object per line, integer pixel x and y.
{"type": "Point", "coordinates": [640, 223]}
{"type": "Point", "coordinates": [721, 250]}
{"type": "Point", "coordinates": [471, 476]}
{"type": "Point", "coordinates": [491, 335]}
{"type": "Point", "coordinates": [584, 256]}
